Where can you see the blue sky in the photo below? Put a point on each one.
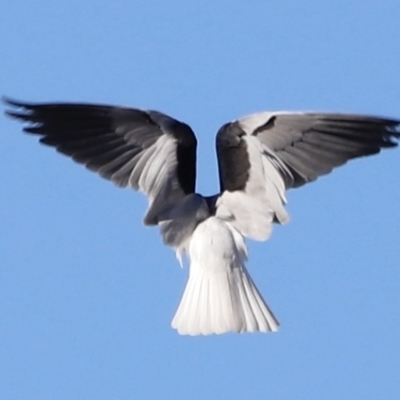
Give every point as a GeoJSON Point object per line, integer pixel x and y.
{"type": "Point", "coordinates": [87, 293]}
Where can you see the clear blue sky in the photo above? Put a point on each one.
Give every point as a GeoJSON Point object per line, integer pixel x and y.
{"type": "Point", "coordinates": [87, 293]}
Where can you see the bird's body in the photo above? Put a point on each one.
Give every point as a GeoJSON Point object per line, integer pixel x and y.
{"type": "Point", "coordinates": [220, 295]}
{"type": "Point", "coordinates": [259, 158]}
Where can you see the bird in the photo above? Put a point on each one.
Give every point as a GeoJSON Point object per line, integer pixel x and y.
{"type": "Point", "coordinates": [260, 157]}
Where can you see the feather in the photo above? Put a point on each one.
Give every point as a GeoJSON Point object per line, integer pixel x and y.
{"type": "Point", "coordinates": [220, 295]}
{"type": "Point", "coordinates": [259, 158]}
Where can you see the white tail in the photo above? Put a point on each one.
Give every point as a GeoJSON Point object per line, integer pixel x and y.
{"type": "Point", "coordinates": [220, 295]}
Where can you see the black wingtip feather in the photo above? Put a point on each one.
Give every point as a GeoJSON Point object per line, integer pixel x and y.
{"type": "Point", "coordinates": [22, 115]}
{"type": "Point", "coordinates": [11, 102]}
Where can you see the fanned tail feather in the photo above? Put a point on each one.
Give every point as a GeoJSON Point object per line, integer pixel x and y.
{"type": "Point", "coordinates": [220, 295]}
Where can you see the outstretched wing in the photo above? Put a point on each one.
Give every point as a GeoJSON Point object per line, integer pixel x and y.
{"type": "Point", "coordinates": [144, 150]}
{"type": "Point", "coordinates": [264, 154]}
{"type": "Point", "coordinates": [312, 144]}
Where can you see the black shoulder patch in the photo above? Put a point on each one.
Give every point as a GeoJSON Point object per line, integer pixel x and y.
{"type": "Point", "coordinates": [186, 156]}
{"type": "Point", "coordinates": [233, 158]}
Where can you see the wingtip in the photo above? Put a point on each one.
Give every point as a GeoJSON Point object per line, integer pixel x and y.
{"type": "Point", "coordinates": [12, 102]}
{"type": "Point", "coordinates": [17, 109]}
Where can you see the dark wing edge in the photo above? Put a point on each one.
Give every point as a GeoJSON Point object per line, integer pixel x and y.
{"type": "Point", "coordinates": [146, 150]}
{"type": "Point", "coordinates": [312, 144]}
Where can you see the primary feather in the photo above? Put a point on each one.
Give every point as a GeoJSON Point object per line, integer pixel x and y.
{"type": "Point", "coordinates": [259, 158]}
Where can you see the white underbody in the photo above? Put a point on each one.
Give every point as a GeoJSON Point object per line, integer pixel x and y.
{"type": "Point", "coordinates": [220, 295]}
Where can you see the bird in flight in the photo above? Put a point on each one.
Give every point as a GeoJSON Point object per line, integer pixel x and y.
{"type": "Point", "coordinates": [259, 158]}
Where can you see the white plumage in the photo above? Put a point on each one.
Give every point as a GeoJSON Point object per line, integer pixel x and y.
{"type": "Point", "coordinates": [260, 157]}
{"type": "Point", "coordinates": [220, 295]}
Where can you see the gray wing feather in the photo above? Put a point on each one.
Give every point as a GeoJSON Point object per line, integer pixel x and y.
{"type": "Point", "coordinates": [145, 150]}
{"type": "Point", "coordinates": [312, 144]}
